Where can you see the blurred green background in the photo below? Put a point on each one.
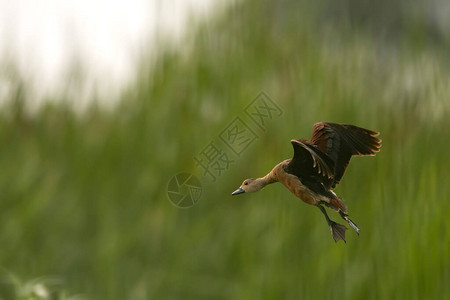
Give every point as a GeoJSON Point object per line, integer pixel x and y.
{"type": "Point", "coordinates": [84, 211]}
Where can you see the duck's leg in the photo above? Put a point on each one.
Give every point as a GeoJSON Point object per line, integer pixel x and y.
{"type": "Point", "coordinates": [337, 230]}
{"type": "Point", "coordinates": [350, 222]}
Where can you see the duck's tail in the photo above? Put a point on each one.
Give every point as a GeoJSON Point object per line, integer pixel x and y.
{"type": "Point", "coordinates": [337, 204]}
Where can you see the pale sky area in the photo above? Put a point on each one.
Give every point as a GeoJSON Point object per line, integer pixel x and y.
{"type": "Point", "coordinates": [41, 37]}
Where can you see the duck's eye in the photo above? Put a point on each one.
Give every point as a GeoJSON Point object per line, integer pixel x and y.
{"type": "Point", "coordinates": [246, 183]}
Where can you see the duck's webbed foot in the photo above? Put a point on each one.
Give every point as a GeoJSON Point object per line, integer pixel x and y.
{"type": "Point", "coordinates": [350, 222]}
{"type": "Point", "coordinates": [337, 230]}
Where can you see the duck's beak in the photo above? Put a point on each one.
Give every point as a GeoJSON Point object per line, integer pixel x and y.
{"type": "Point", "coordinates": [238, 191]}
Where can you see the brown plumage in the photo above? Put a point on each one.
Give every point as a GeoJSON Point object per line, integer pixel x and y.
{"type": "Point", "coordinates": [318, 166]}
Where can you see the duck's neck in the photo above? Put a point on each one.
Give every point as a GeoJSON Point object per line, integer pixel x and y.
{"type": "Point", "coordinates": [268, 179]}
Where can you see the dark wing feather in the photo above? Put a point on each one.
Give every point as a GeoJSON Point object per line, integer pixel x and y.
{"type": "Point", "coordinates": [308, 162]}
{"type": "Point", "coordinates": [340, 142]}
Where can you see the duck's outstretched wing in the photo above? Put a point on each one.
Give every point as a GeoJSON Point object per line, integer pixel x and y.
{"type": "Point", "coordinates": [340, 142]}
{"type": "Point", "coordinates": [309, 162]}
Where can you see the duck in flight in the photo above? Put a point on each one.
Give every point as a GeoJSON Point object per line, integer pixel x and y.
{"type": "Point", "coordinates": [318, 166]}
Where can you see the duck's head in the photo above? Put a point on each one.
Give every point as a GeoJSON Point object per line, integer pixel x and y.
{"type": "Point", "coordinates": [249, 185]}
